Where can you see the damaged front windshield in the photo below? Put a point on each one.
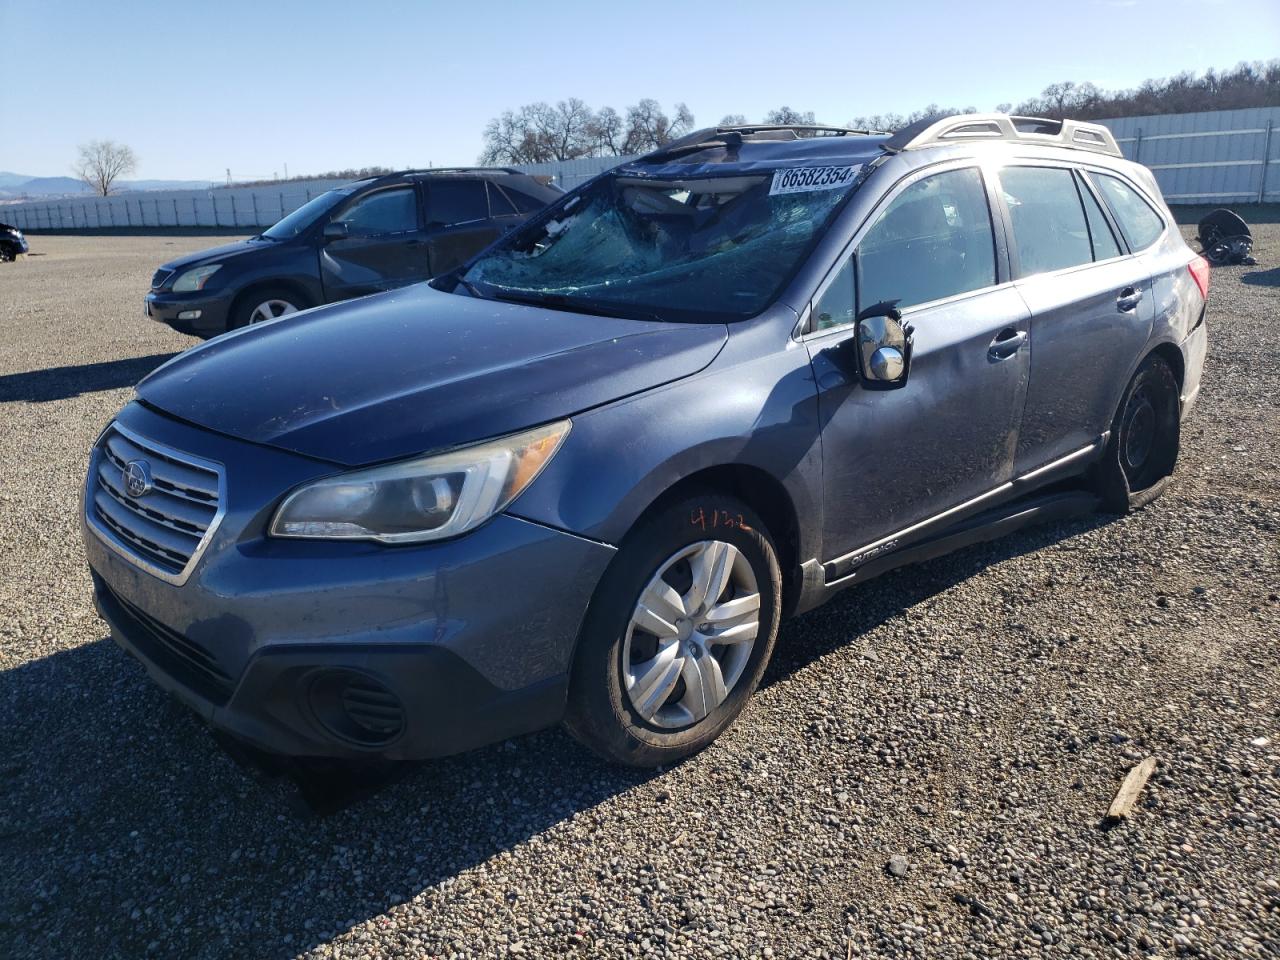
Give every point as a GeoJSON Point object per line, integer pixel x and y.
{"type": "Point", "coordinates": [704, 248]}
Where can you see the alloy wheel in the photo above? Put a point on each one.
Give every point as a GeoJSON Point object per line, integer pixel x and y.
{"type": "Point", "coordinates": [270, 309]}
{"type": "Point", "coordinates": [691, 634]}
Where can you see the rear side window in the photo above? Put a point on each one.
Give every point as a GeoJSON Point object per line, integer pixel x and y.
{"type": "Point", "coordinates": [457, 201]}
{"type": "Point", "coordinates": [1138, 222]}
{"type": "Point", "coordinates": [933, 241]}
{"type": "Point", "coordinates": [525, 202]}
{"type": "Point", "coordinates": [1049, 230]}
{"type": "Point", "coordinates": [387, 211]}
{"type": "Point", "coordinates": [499, 204]}
{"type": "Point", "coordinates": [1104, 241]}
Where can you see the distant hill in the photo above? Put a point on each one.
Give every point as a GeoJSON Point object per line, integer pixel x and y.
{"type": "Point", "coordinates": [16, 186]}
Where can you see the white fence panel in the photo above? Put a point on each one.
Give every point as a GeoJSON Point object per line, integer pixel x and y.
{"type": "Point", "coordinates": [1223, 156]}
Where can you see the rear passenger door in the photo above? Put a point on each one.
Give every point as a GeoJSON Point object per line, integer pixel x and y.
{"type": "Point", "coordinates": [895, 458]}
{"type": "Point", "coordinates": [459, 222]}
{"type": "Point", "coordinates": [1090, 304]}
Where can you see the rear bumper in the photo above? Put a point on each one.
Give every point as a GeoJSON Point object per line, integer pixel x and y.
{"type": "Point", "coordinates": [167, 307]}
{"type": "Point", "coordinates": [1194, 349]}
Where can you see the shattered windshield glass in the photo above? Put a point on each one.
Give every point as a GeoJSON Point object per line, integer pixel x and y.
{"type": "Point", "coordinates": [707, 248]}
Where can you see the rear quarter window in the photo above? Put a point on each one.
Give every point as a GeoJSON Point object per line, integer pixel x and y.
{"type": "Point", "coordinates": [1140, 224]}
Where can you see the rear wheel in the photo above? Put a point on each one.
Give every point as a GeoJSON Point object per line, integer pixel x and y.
{"type": "Point", "coordinates": [1144, 442]}
{"type": "Point", "coordinates": [678, 633]}
{"type": "Point", "coordinates": [263, 305]}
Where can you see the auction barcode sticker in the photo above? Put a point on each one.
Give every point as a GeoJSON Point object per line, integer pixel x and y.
{"type": "Point", "coordinates": [804, 179]}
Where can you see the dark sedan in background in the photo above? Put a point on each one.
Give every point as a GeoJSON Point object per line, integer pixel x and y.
{"type": "Point", "coordinates": [364, 237]}
{"type": "Point", "coordinates": [12, 242]}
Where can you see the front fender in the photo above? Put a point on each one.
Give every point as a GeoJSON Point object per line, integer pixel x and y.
{"type": "Point", "coordinates": [760, 412]}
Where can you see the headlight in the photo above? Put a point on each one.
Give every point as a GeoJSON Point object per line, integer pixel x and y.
{"type": "Point", "coordinates": [195, 279]}
{"type": "Point", "coordinates": [429, 498]}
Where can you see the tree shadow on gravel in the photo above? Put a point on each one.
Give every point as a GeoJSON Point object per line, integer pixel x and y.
{"type": "Point", "coordinates": [61, 383]}
{"type": "Point", "coordinates": [125, 831]}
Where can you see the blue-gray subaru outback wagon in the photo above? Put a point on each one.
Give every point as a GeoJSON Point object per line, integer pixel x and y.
{"type": "Point", "coordinates": [584, 476]}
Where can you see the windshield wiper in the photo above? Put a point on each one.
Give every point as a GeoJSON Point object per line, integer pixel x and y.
{"type": "Point", "coordinates": [558, 301]}
{"type": "Point", "coordinates": [471, 288]}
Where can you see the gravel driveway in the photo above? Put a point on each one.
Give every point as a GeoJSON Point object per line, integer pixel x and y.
{"type": "Point", "coordinates": [973, 716]}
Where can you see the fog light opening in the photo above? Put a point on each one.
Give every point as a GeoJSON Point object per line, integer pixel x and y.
{"type": "Point", "coordinates": [355, 707]}
{"type": "Point", "coordinates": [189, 315]}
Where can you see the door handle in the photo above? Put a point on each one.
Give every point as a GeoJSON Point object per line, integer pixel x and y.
{"type": "Point", "coordinates": [1129, 299]}
{"type": "Point", "coordinates": [1007, 342]}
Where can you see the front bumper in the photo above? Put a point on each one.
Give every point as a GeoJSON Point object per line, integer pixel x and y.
{"type": "Point", "coordinates": [474, 637]}
{"type": "Point", "coordinates": [166, 307]}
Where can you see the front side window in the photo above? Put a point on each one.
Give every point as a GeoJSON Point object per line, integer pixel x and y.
{"type": "Point", "coordinates": [699, 248]}
{"type": "Point", "coordinates": [457, 201]}
{"type": "Point", "coordinates": [933, 241]}
{"type": "Point", "coordinates": [387, 211]}
{"type": "Point", "coordinates": [1138, 222]}
{"type": "Point", "coordinates": [1049, 230]}
{"type": "Point", "coordinates": [301, 219]}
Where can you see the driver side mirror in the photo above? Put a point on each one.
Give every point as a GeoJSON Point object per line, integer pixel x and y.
{"type": "Point", "coordinates": [884, 345]}
{"type": "Point", "coordinates": [337, 230]}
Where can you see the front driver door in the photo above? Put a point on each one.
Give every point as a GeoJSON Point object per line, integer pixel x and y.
{"type": "Point", "coordinates": [383, 248]}
{"type": "Point", "coordinates": [894, 458]}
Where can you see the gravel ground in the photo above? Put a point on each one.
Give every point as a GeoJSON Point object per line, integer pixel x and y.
{"type": "Point", "coordinates": [924, 772]}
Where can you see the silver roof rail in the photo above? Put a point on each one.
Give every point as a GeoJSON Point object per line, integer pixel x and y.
{"type": "Point", "coordinates": [1072, 134]}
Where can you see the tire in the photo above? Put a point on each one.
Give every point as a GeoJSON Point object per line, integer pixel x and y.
{"type": "Point", "coordinates": [7, 255]}
{"type": "Point", "coordinates": [611, 696]}
{"type": "Point", "coordinates": [1143, 449]}
{"type": "Point", "coordinates": [246, 310]}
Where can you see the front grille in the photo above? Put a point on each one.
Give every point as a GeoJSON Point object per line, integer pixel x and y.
{"type": "Point", "coordinates": [160, 276]}
{"type": "Point", "coordinates": [179, 656]}
{"type": "Point", "coordinates": [165, 528]}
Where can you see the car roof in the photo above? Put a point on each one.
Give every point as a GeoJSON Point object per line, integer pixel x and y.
{"type": "Point", "coordinates": [721, 150]}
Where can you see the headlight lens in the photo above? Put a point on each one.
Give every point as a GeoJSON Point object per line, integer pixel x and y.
{"type": "Point", "coordinates": [195, 279]}
{"type": "Point", "coordinates": [429, 498]}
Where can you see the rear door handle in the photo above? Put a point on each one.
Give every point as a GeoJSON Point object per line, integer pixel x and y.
{"type": "Point", "coordinates": [1129, 299]}
{"type": "Point", "coordinates": [1007, 342]}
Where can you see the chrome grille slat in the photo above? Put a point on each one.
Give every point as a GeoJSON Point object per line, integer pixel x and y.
{"type": "Point", "coordinates": [181, 514]}
{"type": "Point", "coordinates": [164, 469]}
{"type": "Point", "coordinates": [165, 529]}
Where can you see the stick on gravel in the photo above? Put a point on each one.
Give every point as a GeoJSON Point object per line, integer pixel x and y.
{"type": "Point", "coordinates": [1127, 795]}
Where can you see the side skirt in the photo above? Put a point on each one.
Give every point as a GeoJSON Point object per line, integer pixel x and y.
{"type": "Point", "coordinates": [991, 524]}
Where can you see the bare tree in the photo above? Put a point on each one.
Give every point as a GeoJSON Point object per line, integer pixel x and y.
{"type": "Point", "coordinates": [102, 162]}
{"type": "Point", "coordinates": [648, 127]}
{"type": "Point", "coordinates": [606, 133]}
{"type": "Point", "coordinates": [785, 115]}
{"type": "Point", "coordinates": [733, 120]}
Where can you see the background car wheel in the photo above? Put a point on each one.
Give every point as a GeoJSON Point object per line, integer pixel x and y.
{"type": "Point", "coordinates": [1143, 448]}
{"type": "Point", "coordinates": [263, 305]}
{"type": "Point", "coordinates": [678, 633]}
{"type": "Point", "coordinates": [6, 255]}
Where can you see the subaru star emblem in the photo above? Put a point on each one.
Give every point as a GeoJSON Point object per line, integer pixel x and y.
{"type": "Point", "coordinates": [137, 477]}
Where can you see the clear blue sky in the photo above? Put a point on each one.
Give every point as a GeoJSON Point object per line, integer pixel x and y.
{"type": "Point", "coordinates": [196, 87]}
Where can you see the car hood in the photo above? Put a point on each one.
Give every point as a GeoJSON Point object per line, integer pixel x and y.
{"type": "Point", "coordinates": [214, 254]}
{"type": "Point", "coordinates": [414, 370]}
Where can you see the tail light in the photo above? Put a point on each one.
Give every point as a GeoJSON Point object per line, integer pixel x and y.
{"type": "Point", "coordinates": [1199, 268]}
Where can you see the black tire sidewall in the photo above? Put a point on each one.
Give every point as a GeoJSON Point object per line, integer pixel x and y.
{"type": "Point", "coordinates": [599, 711]}
{"type": "Point", "coordinates": [1113, 483]}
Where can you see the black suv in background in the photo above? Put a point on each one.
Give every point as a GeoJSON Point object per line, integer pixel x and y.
{"type": "Point", "coordinates": [361, 238]}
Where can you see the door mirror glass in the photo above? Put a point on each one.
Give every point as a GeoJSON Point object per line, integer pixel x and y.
{"type": "Point", "coordinates": [337, 230]}
{"type": "Point", "coordinates": [884, 346]}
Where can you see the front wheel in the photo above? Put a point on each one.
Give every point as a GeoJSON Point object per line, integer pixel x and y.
{"type": "Point", "coordinates": [264, 305]}
{"type": "Point", "coordinates": [1143, 448]}
{"type": "Point", "coordinates": [678, 633]}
